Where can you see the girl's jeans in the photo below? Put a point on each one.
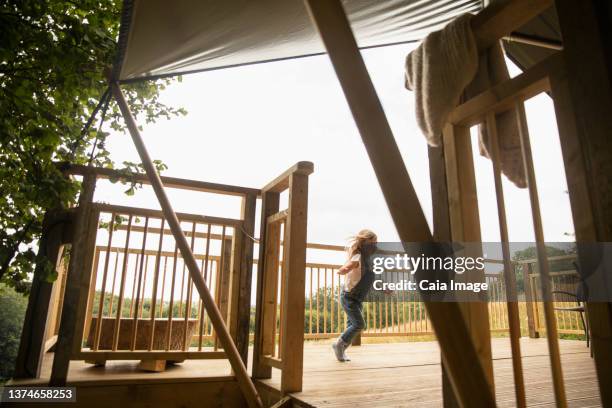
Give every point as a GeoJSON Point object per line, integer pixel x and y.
{"type": "Point", "coordinates": [354, 317]}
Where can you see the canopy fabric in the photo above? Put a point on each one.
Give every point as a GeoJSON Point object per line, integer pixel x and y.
{"type": "Point", "coordinates": [164, 38]}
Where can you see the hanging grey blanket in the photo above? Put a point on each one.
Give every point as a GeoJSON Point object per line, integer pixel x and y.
{"type": "Point", "coordinates": [446, 67]}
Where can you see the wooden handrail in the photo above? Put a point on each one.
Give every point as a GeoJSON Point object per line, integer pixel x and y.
{"type": "Point", "coordinates": [147, 212]}
{"type": "Point", "coordinates": [168, 182]}
{"type": "Point", "coordinates": [281, 183]}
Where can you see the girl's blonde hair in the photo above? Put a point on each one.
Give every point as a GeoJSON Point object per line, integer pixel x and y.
{"type": "Point", "coordinates": [356, 242]}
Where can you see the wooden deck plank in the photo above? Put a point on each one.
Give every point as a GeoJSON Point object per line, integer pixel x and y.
{"type": "Point", "coordinates": [409, 374]}
{"type": "Point", "coordinates": [391, 374]}
{"type": "Point", "coordinates": [126, 372]}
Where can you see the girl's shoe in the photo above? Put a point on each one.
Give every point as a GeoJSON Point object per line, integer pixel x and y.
{"type": "Point", "coordinates": [339, 346]}
{"type": "Point", "coordinates": [344, 347]}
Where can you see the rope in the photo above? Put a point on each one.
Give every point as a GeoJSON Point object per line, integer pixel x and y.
{"type": "Point", "coordinates": [106, 98]}
{"type": "Point", "coordinates": [255, 240]}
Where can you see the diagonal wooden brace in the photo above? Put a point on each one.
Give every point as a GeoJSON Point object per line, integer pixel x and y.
{"type": "Point", "coordinates": [458, 351]}
{"type": "Point", "coordinates": [242, 376]}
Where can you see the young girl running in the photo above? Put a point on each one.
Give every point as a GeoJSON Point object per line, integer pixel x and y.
{"type": "Point", "coordinates": [357, 284]}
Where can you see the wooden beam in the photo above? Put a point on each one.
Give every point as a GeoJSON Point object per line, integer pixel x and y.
{"type": "Point", "coordinates": [242, 376]}
{"type": "Point", "coordinates": [294, 258]}
{"type": "Point", "coordinates": [503, 17]}
{"type": "Point", "coordinates": [532, 327]}
{"type": "Point", "coordinates": [465, 227]}
{"type": "Point", "coordinates": [458, 351]}
{"type": "Point", "coordinates": [39, 310]}
{"type": "Point", "coordinates": [509, 273]}
{"type": "Point", "coordinates": [583, 102]}
{"type": "Point", "coordinates": [543, 266]}
{"type": "Point", "coordinates": [266, 286]}
{"type": "Point", "coordinates": [441, 233]}
{"type": "Point", "coordinates": [281, 183]}
{"type": "Point", "coordinates": [147, 212]}
{"type": "Point", "coordinates": [503, 96]}
{"type": "Point", "coordinates": [169, 182]}
{"type": "Point", "coordinates": [241, 277]}
{"type": "Point", "coordinates": [76, 284]}
{"type": "Point", "coordinates": [388, 164]}
{"type": "Point", "coordinates": [278, 217]}
{"type": "Point", "coordinates": [152, 355]}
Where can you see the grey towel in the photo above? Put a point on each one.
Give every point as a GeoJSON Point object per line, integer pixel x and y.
{"type": "Point", "coordinates": [445, 67]}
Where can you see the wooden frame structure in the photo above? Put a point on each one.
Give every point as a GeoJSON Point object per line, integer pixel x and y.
{"type": "Point", "coordinates": [582, 102]}
{"type": "Point", "coordinates": [76, 305]}
{"type": "Point", "coordinates": [288, 299]}
{"type": "Point", "coordinates": [450, 194]}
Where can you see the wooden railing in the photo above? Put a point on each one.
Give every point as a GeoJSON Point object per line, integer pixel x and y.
{"type": "Point", "coordinates": [127, 294]}
{"type": "Point", "coordinates": [403, 313]}
{"type": "Point", "coordinates": [568, 322]}
{"type": "Point", "coordinates": [279, 316]}
{"type": "Point", "coordinates": [141, 298]}
{"type": "Point", "coordinates": [398, 314]}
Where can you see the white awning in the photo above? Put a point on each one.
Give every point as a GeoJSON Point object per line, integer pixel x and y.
{"type": "Point", "coordinates": [171, 37]}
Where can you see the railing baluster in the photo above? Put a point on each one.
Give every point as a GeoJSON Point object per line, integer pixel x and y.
{"type": "Point", "coordinates": [218, 284]}
{"type": "Point", "coordinates": [310, 303]}
{"type": "Point", "coordinates": [318, 291]}
{"type": "Point", "coordinates": [338, 315]}
{"type": "Point", "coordinates": [332, 302]}
{"type": "Point", "coordinates": [155, 283]}
{"type": "Point", "coordinates": [203, 322]}
{"type": "Point", "coordinates": [144, 285]}
{"type": "Point", "coordinates": [171, 304]}
{"type": "Point", "coordinates": [136, 304]}
{"type": "Point", "coordinates": [161, 303]}
{"type": "Point", "coordinates": [112, 297]}
{"type": "Point", "coordinates": [117, 326]}
{"type": "Point", "coordinates": [188, 304]}
{"type": "Point", "coordinates": [96, 342]}
{"type": "Point", "coordinates": [325, 300]}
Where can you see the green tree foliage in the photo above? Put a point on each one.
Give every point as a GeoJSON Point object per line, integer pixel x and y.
{"type": "Point", "coordinates": [12, 311]}
{"type": "Point", "coordinates": [52, 58]}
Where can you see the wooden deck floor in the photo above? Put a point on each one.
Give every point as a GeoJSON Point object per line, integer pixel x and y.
{"type": "Point", "coordinates": [381, 375]}
{"type": "Point", "coordinates": [408, 375]}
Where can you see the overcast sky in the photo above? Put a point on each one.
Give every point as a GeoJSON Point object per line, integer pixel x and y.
{"type": "Point", "coordinates": [246, 125]}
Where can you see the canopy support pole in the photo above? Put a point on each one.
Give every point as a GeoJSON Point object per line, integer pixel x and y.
{"type": "Point", "coordinates": [459, 354]}
{"type": "Point", "coordinates": [242, 376]}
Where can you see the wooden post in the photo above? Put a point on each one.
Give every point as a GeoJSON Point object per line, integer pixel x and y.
{"type": "Point", "coordinates": [226, 279]}
{"type": "Point", "coordinates": [77, 283]}
{"type": "Point", "coordinates": [583, 103]}
{"type": "Point", "coordinates": [530, 302]}
{"type": "Point", "coordinates": [545, 283]}
{"type": "Point", "coordinates": [459, 354]}
{"type": "Point", "coordinates": [265, 279]}
{"type": "Point", "coordinates": [92, 291]}
{"type": "Point", "coordinates": [248, 210]}
{"type": "Point", "coordinates": [241, 277]}
{"type": "Point", "coordinates": [294, 255]}
{"type": "Point", "coordinates": [242, 376]}
{"type": "Point", "coordinates": [514, 324]}
{"type": "Point", "coordinates": [39, 313]}
{"type": "Point", "coordinates": [465, 227]}
{"type": "Point", "coordinates": [441, 233]}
